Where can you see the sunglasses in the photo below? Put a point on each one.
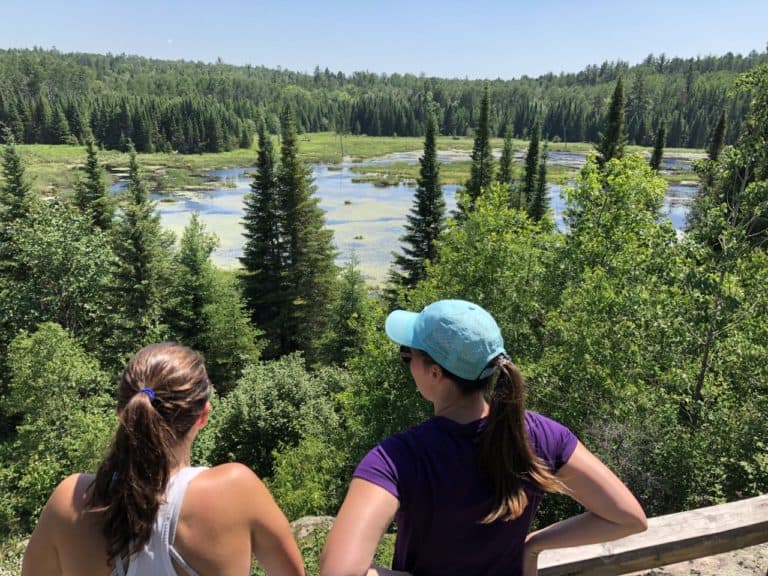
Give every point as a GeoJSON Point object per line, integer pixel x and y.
{"type": "Point", "coordinates": [405, 355]}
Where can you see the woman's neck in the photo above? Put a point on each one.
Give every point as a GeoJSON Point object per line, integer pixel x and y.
{"type": "Point", "coordinates": [461, 408]}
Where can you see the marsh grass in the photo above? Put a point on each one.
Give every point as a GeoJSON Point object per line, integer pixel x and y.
{"type": "Point", "coordinates": [54, 169]}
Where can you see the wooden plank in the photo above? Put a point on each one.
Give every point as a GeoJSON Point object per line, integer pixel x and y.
{"type": "Point", "coordinates": [669, 539]}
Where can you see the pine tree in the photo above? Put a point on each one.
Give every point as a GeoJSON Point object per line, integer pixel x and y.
{"type": "Point", "coordinates": [139, 248]}
{"type": "Point", "coordinates": [91, 194]}
{"type": "Point", "coordinates": [531, 165]}
{"type": "Point", "coordinates": [658, 148]}
{"type": "Point", "coordinates": [310, 272]}
{"type": "Point", "coordinates": [613, 140]}
{"type": "Point", "coordinates": [716, 140]}
{"type": "Point", "coordinates": [427, 217]}
{"type": "Point", "coordinates": [481, 172]}
{"type": "Point", "coordinates": [539, 205]}
{"type": "Point", "coordinates": [262, 258]}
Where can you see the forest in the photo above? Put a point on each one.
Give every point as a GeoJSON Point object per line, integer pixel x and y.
{"type": "Point", "coordinates": [50, 97]}
{"type": "Point", "coordinates": [650, 345]}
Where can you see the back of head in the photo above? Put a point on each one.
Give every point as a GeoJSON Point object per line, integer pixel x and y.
{"type": "Point", "coordinates": [465, 341]}
{"type": "Point", "coordinates": [162, 393]}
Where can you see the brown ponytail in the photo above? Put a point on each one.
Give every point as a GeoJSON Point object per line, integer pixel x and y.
{"type": "Point", "coordinates": [161, 395]}
{"type": "Point", "coordinates": [505, 452]}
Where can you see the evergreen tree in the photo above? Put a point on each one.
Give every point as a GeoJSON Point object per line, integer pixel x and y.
{"type": "Point", "coordinates": [208, 313]}
{"type": "Point", "coordinates": [481, 172]}
{"type": "Point", "coordinates": [539, 205]}
{"type": "Point", "coordinates": [427, 217]}
{"type": "Point", "coordinates": [716, 140]}
{"type": "Point", "coordinates": [504, 176]}
{"type": "Point", "coordinates": [531, 165]}
{"type": "Point", "coordinates": [140, 250]}
{"type": "Point", "coordinates": [309, 272]}
{"type": "Point", "coordinates": [658, 148]}
{"type": "Point", "coordinates": [16, 197]}
{"type": "Point", "coordinates": [91, 194]}
{"type": "Point", "coordinates": [262, 258]}
{"type": "Point", "coordinates": [613, 140]}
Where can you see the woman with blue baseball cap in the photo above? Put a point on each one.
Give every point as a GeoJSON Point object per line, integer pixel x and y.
{"type": "Point", "coordinates": [465, 485]}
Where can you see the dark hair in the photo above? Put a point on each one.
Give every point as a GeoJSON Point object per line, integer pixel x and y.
{"type": "Point", "coordinates": [506, 455]}
{"type": "Point", "coordinates": [131, 481]}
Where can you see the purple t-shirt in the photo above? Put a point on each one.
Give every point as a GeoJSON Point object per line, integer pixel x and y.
{"type": "Point", "coordinates": [432, 470]}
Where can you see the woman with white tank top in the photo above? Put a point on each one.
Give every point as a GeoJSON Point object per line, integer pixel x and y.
{"type": "Point", "coordinates": [146, 510]}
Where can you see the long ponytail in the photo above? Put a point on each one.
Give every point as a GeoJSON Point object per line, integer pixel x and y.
{"type": "Point", "coordinates": [161, 395]}
{"type": "Point", "coordinates": [506, 455]}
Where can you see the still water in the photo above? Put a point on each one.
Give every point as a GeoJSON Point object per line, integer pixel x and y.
{"type": "Point", "coordinates": [366, 220]}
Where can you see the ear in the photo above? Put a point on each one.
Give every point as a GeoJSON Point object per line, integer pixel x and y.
{"type": "Point", "coordinates": [203, 418]}
{"type": "Point", "coordinates": [436, 371]}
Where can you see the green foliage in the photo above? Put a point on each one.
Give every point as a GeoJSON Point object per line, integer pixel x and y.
{"type": "Point", "coordinates": [208, 313]}
{"type": "Point", "coordinates": [426, 219]}
{"type": "Point", "coordinates": [57, 392]}
{"type": "Point", "coordinates": [273, 406]}
{"type": "Point", "coordinates": [351, 318]}
{"type": "Point", "coordinates": [192, 107]}
{"type": "Point", "coordinates": [67, 275]}
{"type": "Point", "coordinates": [500, 259]}
{"type": "Point", "coordinates": [310, 478]}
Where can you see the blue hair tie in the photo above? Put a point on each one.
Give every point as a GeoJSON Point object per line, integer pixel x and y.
{"type": "Point", "coordinates": [149, 392]}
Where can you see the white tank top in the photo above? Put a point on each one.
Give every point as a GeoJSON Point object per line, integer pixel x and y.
{"type": "Point", "coordinates": [155, 557]}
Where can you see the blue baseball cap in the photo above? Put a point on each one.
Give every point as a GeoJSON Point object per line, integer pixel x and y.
{"type": "Point", "coordinates": [459, 335]}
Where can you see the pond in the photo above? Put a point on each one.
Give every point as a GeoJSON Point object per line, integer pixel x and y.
{"type": "Point", "coordinates": [367, 220]}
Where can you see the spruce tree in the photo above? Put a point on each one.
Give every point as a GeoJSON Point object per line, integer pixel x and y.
{"type": "Point", "coordinates": [262, 258]}
{"type": "Point", "coordinates": [427, 216]}
{"type": "Point", "coordinates": [139, 246]}
{"type": "Point", "coordinates": [539, 204]}
{"type": "Point", "coordinates": [309, 272]}
{"type": "Point", "coordinates": [481, 171]}
{"type": "Point", "coordinates": [613, 140]}
{"type": "Point", "coordinates": [16, 203]}
{"type": "Point", "coordinates": [16, 197]}
{"type": "Point", "coordinates": [91, 194]}
{"type": "Point", "coordinates": [715, 145]}
{"type": "Point", "coordinates": [658, 148]}
{"type": "Point", "coordinates": [531, 165]}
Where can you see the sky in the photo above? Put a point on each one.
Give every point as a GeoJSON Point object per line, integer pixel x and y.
{"type": "Point", "coordinates": [450, 38]}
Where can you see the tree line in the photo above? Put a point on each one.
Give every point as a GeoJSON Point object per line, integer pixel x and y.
{"type": "Point", "coordinates": [649, 345]}
{"type": "Point", "coordinates": [50, 97]}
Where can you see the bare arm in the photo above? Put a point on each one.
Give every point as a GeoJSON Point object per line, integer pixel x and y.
{"type": "Point", "coordinates": [364, 516]}
{"type": "Point", "coordinates": [272, 541]}
{"type": "Point", "coordinates": [41, 557]}
{"type": "Point", "coordinates": [612, 510]}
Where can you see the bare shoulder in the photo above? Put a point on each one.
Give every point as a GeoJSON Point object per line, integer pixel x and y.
{"type": "Point", "coordinates": [231, 476]}
{"type": "Point", "coordinates": [68, 500]}
{"type": "Point", "coordinates": [227, 488]}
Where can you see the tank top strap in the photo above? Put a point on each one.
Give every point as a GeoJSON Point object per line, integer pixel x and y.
{"type": "Point", "coordinates": [175, 497]}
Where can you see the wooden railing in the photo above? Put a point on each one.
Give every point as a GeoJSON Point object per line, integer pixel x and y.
{"type": "Point", "coordinates": [669, 539]}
